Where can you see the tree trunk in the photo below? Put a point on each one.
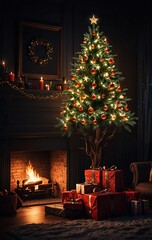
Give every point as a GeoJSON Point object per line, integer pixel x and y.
{"type": "Point", "coordinates": [94, 145]}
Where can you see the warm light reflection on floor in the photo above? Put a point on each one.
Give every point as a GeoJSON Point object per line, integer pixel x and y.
{"type": "Point", "coordinates": [34, 215]}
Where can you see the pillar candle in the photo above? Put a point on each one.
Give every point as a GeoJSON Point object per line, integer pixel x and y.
{"type": "Point", "coordinates": [41, 84]}
{"type": "Point", "coordinates": [12, 77]}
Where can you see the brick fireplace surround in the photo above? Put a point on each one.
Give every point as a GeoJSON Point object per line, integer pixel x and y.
{"type": "Point", "coordinates": [51, 165]}
{"type": "Point", "coordinates": [27, 132]}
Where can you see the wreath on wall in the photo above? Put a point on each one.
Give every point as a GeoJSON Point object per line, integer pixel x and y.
{"type": "Point", "coordinates": [40, 56]}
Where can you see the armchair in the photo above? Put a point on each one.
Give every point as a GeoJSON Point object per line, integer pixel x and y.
{"type": "Point", "coordinates": [141, 177]}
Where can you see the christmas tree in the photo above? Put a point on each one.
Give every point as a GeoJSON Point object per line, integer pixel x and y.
{"type": "Point", "coordinates": [95, 103]}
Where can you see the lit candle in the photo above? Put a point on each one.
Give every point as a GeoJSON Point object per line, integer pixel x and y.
{"type": "Point", "coordinates": [3, 71]}
{"type": "Point", "coordinates": [3, 63]}
{"type": "Point", "coordinates": [65, 81]}
{"type": "Point", "coordinates": [41, 84]}
{"type": "Point", "coordinates": [12, 77]}
{"type": "Point", "coordinates": [47, 87]}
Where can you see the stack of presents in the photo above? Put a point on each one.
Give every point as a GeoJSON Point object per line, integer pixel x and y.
{"type": "Point", "coordinates": [101, 196]}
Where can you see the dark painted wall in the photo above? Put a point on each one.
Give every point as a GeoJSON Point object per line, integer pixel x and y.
{"type": "Point", "coordinates": [119, 20]}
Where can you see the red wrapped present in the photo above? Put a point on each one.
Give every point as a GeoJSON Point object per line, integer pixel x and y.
{"type": "Point", "coordinates": [118, 204]}
{"type": "Point", "coordinates": [84, 188]}
{"type": "Point", "coordinates": [132, 195]}
{"type": "Point", "coordinates": [113, 180]}
{"type": "Point", "coordinates": [69, 195]}
{"type": "Point", "coordinates": [93, 176]}
{"type": "Point", "coordinates": [77, 204]}
{"type": "Point", "coordinates": [97, 205]}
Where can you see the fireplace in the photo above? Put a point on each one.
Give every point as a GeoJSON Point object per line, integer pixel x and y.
{"type": "Point", "coordinates": [27, 132]}
{"type": "Point", "coordinates": [49, 168]}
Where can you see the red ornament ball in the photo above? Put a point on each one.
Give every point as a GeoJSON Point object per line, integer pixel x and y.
{"type": "Point", "coordinates": [124, 117]}
{"type": "Point", "coordinates": [111, 60]}
{"type": "Point", "coordinates": [84, 96]}
{"type": "Point", "coordinates": [93, 97]}
{"type": "Point", "coordinates": [80, 108]}
{"type": "Point", "coordinates": [86, 58]}
{"type": "Point", "coordinates": [90, 110]}
{"type": "Point", "coordinates": [112, 73]}
{"type": "Point", "coordinates": [74, 119]}
{"type": "Point", "coordinates": [105, 108]}
{"type": "Point", "coordinates": [72, 77]}
{"type": "Point", "coordinates": [103, 116]}
{"type": "Point", "coordinates": [105, 41]}
{"type": "Point", "coordinates": [101, 60]}
{"type": "Point", "coordinates": [65, 127]}
{"type": "Point", "coordinates": [83, 121]}
{"type": "Point", "coordinates": [82, 86]}
{"type": "Point", "coordinates": [94, 85]}
{"type": "Point", "coordinates": [107, 50]}
{"type": "Point", "coordinates": [103, 96]}
{"type": "Point", "coordinates": [119, 89]}
{"type": "Point", "coordinates": [93, 71]}
{"type": "Point", "coordinates": [76, 84]}
{"type": "Point", "coordinates": [95, 122]}
{"type": "Point", "coordinates": [75, 104]}
{"type": "Point", "coordinates": [94, 60]}
{"type": "Point", "coordinates": [126, 108]}
{"type": "Point", "coordinates": [119, 108]}
{"type": "Point", "coordinates": [81, 61]}
{"type": "Point", "coordinates": [111, 86]}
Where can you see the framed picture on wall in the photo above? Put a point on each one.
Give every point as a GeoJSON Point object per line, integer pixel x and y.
{"type": "Point", "coordinates": [39, 51]}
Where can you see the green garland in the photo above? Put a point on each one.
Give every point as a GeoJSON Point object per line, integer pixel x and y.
{"type": "Point", "coordinates": [25, 93]}
{"type": "Point", "coordinates": [32, 51]}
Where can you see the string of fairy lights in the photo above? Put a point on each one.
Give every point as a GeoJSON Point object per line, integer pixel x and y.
{"type": "Point", "coordinates": [32, 96]}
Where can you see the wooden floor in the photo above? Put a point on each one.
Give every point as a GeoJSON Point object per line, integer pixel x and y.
{"type": "Point", "coordinates": [24, 215]}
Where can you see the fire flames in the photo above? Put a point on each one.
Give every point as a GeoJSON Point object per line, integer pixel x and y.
{"type": "Point", "coordinates": [33, 176]}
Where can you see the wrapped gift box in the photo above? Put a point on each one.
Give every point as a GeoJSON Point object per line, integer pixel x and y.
{"type": "Point", "coordinates": [84, 188]}
{"type": "Point", "coordinates": [69, 195]}
{"type": "Point", "coordinates": [10, 203]}
{"type": "Point", "coordinates": [97, 205]}
{"type": "Point", "coordinates": [93, 176]}
{"type": "Point", "coordinates": [136, 207]}
{"type": "Point", "coordinates": [78, 204]}
{"type": "Point", "coordinates": [58, 210]}
{"type": "Point", "coordinates": [145, 206]}
{"type": "Point", "coordinates": [132, 195]}
{"type": "Point", "coordinates": [113, 180]}
{"type": "Point", "coordinates": [118, 204]}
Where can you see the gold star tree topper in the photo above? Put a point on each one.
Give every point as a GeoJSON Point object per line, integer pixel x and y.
{"type": "Point", "coordinates": [93, 20]}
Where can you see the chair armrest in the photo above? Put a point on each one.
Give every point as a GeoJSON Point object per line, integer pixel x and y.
{"type": "Point", "coordinates": [140, 171]}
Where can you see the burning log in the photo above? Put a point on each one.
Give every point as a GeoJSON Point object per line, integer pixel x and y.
{"type": "Point", "coordinates": [45, 186]}
{"type": "Point", "coordinates": [30, 184]}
